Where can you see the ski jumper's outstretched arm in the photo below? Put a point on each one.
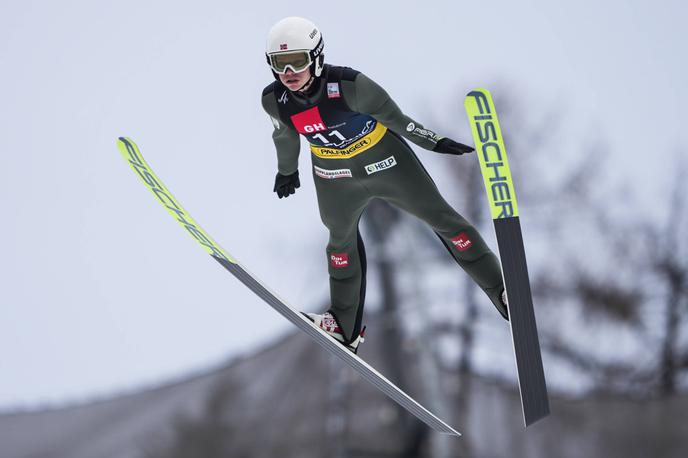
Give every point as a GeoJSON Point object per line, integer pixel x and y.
{"type": "Point", "coordinates": [366, 96]}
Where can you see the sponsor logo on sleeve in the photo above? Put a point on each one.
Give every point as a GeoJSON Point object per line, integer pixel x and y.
{"type": "Point", "coordinates": [333, 91]}
{"type": "Point", "coordinates": [424, 133]}
{"type": "Point", "coordinates": [283, 98]}
{"type": "Point", "coordinates": [462, 242]}
{"type": "Point", "coordinates": [332, 174]}
{"type": "Point", "coordinates": [339, 260]}
{"type": "Point", "coordinates": [380, 166]}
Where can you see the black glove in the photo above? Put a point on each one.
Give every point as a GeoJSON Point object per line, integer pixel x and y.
{"type": "Point", "coordinates": [286, 184]}
{"type": "Point", "coordinates": [448, 146]}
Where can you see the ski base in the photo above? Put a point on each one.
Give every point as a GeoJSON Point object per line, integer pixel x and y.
{"type": "Point", "coordinates": [531, 376]}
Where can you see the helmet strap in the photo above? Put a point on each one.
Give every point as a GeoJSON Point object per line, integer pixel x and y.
{"type": "Point", "coordinates": [307, 85]}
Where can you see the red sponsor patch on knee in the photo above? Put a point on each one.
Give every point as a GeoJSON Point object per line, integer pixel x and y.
{"type": "Point", "coordinates": [462, 242]}
{"type": "Point", "coordinates": [339, 260]}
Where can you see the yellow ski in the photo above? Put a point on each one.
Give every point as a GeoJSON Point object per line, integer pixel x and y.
{"type": "Point", "coordinates": [494, 165]}
{"type": "Point", "coordinates": [133, 156]}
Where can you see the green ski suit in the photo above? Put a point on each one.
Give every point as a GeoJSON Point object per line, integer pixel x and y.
{"type": "Point", "coordinates": [355, 133]}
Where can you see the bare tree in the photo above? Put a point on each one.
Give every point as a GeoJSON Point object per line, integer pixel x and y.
{"type": "Point", "coordinates": [630, 277]}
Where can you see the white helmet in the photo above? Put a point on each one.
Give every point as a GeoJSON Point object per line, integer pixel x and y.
{"type": "Point", "coordinates": [295, 43]}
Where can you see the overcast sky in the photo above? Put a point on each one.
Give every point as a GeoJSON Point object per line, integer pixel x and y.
{"type": "Point", "coordinates": [101, 292]}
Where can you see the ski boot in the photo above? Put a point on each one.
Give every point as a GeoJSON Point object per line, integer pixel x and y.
{"type": "Point", "coordinates": [328, 323]}
{"type": "Point", "coordinates": [505, 303]}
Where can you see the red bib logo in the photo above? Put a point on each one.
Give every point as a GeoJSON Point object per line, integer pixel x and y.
{"type": "Point", "coordinates": [308, 121]}
{"type": "Point", "coordinates": [462, 242]}
{"type": "Point", "coordinates": [339, 260]}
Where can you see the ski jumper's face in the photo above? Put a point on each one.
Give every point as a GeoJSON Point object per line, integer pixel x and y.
{"type": "Point", "coordinates": [295, 81]}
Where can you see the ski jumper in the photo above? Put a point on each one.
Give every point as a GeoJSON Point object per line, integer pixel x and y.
{"type": "Point", "coordinates": [355, 133]}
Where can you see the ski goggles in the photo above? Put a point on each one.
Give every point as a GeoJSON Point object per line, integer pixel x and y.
{"type": "Point", "coordinates": [297, 61]}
